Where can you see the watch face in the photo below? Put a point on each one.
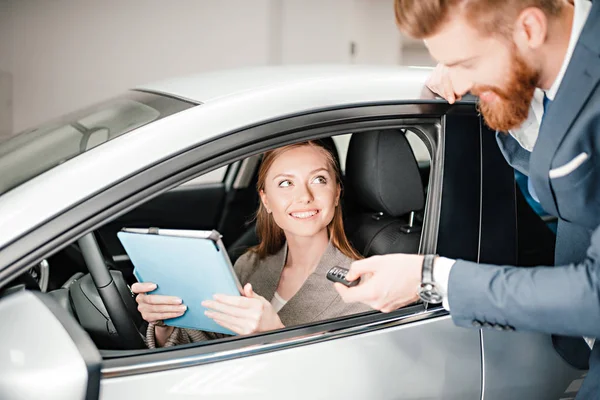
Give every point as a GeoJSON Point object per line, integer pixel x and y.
{"type": "Point", "coordinates": [428, 293]}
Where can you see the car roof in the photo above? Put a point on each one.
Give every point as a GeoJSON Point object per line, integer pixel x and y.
{"type": "Point", "coordinates": [210, 86]}
{"type": "Point", "coordinates": [231, 100]}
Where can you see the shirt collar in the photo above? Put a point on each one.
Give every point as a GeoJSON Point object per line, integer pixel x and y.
{"type": "Point", "coordinates": [581, 12]}
{"type": "Point", "coordinates": [527, 133]}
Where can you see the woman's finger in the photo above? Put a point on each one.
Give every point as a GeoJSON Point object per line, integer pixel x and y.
{"type": "Point", "coordinates": [143, 287]}
{"type": "Point", "coordinates": [224, 317]}
{"type": "Point", "coordinates": [231, 327]}
{"type": "Point", "coordinates": [236, 301]}
{"type": "Point", "coordinates": [161, 316]}
{"type": "Point", "coordinates": [240, 323]}
{"type": "Point", "coordinates": [157, 299]}
{"type": "Point", "coordinates": [225, 308]}
{"type": "Point", "coordinates": [162, 308]}
{"type": "Point", "coordinates": [248, 292]}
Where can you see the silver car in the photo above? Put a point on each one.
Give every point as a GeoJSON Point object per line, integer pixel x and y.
{"type": "Point", "coordinates": [184, 154]}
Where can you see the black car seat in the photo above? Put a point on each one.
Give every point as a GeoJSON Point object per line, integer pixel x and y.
{"type": "Point", "coordinates": [382, 176]}
{"type": "Point", "coordinates": [249, 238]}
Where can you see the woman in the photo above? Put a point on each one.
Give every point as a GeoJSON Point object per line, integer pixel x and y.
{"type": "Point", "coordinates": [299, 224]}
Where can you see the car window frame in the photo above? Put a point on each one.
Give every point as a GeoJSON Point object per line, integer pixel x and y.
{"type": "Point", "coordinates": [120, 364]}
{"type": "Point", "coordinates": [122, 196]}
{"type": "Point", "coordinates": [229, 148]}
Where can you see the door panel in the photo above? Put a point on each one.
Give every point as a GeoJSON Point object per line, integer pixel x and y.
{"type": "Point", "coordinates": [62, 363]}
{"type": "Point", "coordinates": [522, 365]}
{"type": "Point", "coordinates": [432, 359]}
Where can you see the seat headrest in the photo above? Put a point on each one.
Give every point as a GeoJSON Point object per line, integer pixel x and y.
{"type": "Point", "coordinates": [383, 174]}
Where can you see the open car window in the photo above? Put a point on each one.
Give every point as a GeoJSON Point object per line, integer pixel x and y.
{"type": "Point", "coordinates": [230, 209]}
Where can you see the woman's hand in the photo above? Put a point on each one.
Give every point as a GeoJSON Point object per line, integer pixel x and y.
{"type": "Point", "coordinates": [155, 307]}
{"type": "Point", "coordinates": [243, 315]}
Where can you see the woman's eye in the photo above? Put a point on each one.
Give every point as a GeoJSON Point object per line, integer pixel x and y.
{"type": "Point", "coordinates": [320, 179]}
{"type": "Point", "coordinates": [285, 183]}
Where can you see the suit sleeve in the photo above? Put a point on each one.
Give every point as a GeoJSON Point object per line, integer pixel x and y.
{"type": "Point", "coordinates": [563, 300]}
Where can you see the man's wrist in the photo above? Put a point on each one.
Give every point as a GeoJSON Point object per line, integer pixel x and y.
{"type": "Point", "coordinates": [441, 276]}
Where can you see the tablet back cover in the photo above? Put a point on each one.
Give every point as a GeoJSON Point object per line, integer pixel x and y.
{"type": "Point", "coordinates": [192, 269]}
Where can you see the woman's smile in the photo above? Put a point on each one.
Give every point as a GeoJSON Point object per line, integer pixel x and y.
{"type": "Point", "coordinates": [304, 215]}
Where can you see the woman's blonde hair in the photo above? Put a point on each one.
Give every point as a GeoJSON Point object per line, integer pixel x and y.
{"type": "Point", "coordinates": [270, 235]}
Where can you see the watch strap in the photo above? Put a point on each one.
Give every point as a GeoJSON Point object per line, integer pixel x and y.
{"type": "Point", "coordinates": [427, 273]}
{"type": "Point", "coordinates": [428, 291]}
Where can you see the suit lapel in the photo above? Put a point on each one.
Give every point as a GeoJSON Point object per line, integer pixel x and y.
{"type": "Point", "coordinates": [580, 79]}
{"type": "Point", "coordinates": [316, 294]}
{"type": "Point", "coordinates": [266, 277]}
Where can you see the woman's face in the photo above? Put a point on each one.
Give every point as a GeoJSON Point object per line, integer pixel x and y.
{"type": "Point", "coordinates": [301, 192]}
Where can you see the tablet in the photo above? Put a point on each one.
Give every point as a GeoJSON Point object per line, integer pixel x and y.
{"type": "Point", "coordinates": [191, 265]}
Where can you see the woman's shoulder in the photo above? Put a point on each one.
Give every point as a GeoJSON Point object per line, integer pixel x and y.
{"type": "Point", "coordinates": [250, 261]}
{"type": "Point", "coordinates": [245, 264]}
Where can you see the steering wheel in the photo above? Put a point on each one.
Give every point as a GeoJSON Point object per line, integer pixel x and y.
{"type": "Point", "coordinates": [108, 289]}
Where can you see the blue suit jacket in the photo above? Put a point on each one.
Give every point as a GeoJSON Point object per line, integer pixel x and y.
{"type": "Point", "coordinates": [565, 299]}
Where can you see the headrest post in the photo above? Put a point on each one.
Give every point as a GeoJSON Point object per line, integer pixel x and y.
{"type": "Point", "coordinates": [411, 227]}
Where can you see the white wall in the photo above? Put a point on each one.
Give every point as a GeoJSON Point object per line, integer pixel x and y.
{"type": "Point", "coordinates": [70, 53]}
{"type": "Point", "coordinates": [6, 54]}
{"type": "Point", "coordinates": [6, 25]}
{"type": "Point", "coordinates": [378, 40]}
{"type": "Point", "coordinates": [65, 54]}
{"type": "Point", "coordinates": [316, 31]}
{"type": "Point", "coordinates": [416, 54]}
{"type": "Point", "coordinates": [6, 111]}
{"type": "Point", "coordinates": [322, 31]}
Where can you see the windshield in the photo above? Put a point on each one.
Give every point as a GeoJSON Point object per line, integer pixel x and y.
{"type": "Point", "coordinates": [37, 150]}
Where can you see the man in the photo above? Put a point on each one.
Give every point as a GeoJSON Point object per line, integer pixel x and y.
{"type": "Point", "coordinates": [502, 51]}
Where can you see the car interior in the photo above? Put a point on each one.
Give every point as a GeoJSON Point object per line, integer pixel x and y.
{"type": "Point", "coordinates": [385, 179]}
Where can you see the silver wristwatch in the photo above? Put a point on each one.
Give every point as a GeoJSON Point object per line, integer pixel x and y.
{"type": "Point", "coordinates": [428, 291]}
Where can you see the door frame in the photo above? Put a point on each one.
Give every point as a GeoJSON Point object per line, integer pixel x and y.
{"type": "Point", "coordinates": [128, 194]}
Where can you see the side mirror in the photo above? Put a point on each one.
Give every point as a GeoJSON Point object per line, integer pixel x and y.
{"type": "Point", "coordinates": [44, 353]}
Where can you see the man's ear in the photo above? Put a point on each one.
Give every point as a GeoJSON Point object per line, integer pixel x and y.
{"type": "Point", "coordinates": [531, 29]}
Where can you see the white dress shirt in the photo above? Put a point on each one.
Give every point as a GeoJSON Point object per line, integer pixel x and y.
{"type": "Point", "coordinates": [527, 133]}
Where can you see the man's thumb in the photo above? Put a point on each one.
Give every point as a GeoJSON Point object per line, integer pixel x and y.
{"type": "Point", "coordinates": [359, 268]}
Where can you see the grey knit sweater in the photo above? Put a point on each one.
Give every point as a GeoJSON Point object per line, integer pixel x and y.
{"type": "Point", "coordinates": [316, 300]}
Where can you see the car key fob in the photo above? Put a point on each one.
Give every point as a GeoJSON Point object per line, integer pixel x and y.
{"type": "Point", "coordinates": [338, 274]}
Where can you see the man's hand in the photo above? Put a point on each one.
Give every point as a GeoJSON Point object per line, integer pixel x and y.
{"type": "Point", "coordinates": [393, 281]}
{"type": "Point", "coordinates": [439, 82]}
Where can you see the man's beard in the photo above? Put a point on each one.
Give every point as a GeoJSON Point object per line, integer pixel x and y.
{"type": "Point", "coordinates": [511, 107]}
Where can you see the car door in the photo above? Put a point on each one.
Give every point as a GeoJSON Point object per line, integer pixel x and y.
{"type": "Point", "coordinates": [521, 365]}
{"type": "Point", "coordinates": [416, 352]}
{"type": "Point", "coordinates": [426, 357]}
